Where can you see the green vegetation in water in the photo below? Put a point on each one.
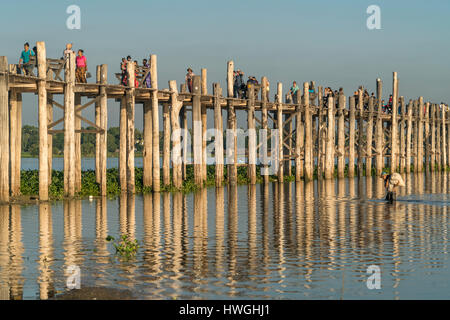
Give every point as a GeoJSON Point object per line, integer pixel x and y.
{"type": "Point", "coordinates": [125, 248]}
{"type": "Point", "coordinates": [90, 187]}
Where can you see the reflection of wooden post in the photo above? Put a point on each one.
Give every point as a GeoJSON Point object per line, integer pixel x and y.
{"type": "Point", "coordinates": [309, 165]}
{"type": "Point", "coordinates": [130, 126]}
{"type": "Point", "coordinates": [341, 136]}
{"type": "Point", "coordinates": [4, 131]}
{"type": "Point", "coordinates": [123, 145]}
{"type": "Point", "coordinates": [218, 140]}
{"type": "Point", "coordinates": [103, 152]}
{"type": "Point", "coordinates": [409, 137]}
{"type": "Point", "coordinates": [351, 140]}
{"type": "Point", "coordinates": [330, 141]}
{"type": "Point", "coordinates": [155, 117]}
{"type": "Point", "coordinates": [43, 130]}
{"type": "Point", "coordinates": [69, 126]}
{"type": "Point", "coordinates": [148, 145]}
{"type": "Point", "coordinates": [280, 127]}
{"type": "Point", "coordinates": [77, 143]}
{"type": "Point", "coordinates": [369, 137]}
{"type": "Point", "coordinates": [176, 135]}
{"type": "Point", "coordinates": [251, 136]}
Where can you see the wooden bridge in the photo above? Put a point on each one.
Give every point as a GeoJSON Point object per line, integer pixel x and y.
{"type": "Point", "coordinates": [343, 133]}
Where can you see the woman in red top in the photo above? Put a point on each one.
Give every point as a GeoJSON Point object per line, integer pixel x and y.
{"type": "Point", "coordinates": [80, 73]}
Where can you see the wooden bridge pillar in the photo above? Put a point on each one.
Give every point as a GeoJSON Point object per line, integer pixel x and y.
{"type": "Point", "coordinates": [280, 126]}
{"type": "Point", "coordinates": [50, 136]}
{"type": "Point", "coordinates": [361, 133]}
{"type": "Point", "coordinates": [43, 130]}
{"type": "Point", "coordinates": [309, 164]}
{"type": "Point", "coordinates": [218, 140]}
{"type": "Point", "coordinates": [379, 134]}
{"type": "Point", "coordinates": [264, 126]}
{"type": "Point", "coordinates": [341, 136]}
{"type": "Point", "coordinates": [166, 144]}
{"type": "Point", "coordinates": [77, 143]}
{"type": "Point", "coordinates": [330, 141]}
{"type": "Point", "coordinates": [197, 138]}
{"type": "Point", "coordinates": [369, 137]}
{"type": "Point", "coordinates": [420, 137]}
{"type": "Point", "coordinates": [444, 139]}
{"type": "Point", "coordinates": [433, 136]}
{"type": "Point", "coordinates": [251, 169]}
{"type": "Point", "coordinates": [15, 126]}
{"type": "Point", "coordinates": [123, 145]}
{"type": "Point", "coordinates": [204, 91]}
{"type": "Point", "coordinates": [4, 131]}
{"type": "Point", "coordinates": [97, 136]}
{"type": "Point", "coordinates": [103, 152]}
{"type": "Point", "coordinates": [155, 128]}
{"type": "Point", "coordinates": [438, 139]}
{"type": "Point", "coordinates": [402, 135]}
{"type": "Point", "coordinates": [69, 126]}
{"type": "Point", "coordinates": [394, 124]}
{"type": "Point", "coordinates": [231, 128]}
{"type": "Point", "coordinates": [176, 135]}
{"type": "Point", "coordinates": [148, 145]}
{"type": "Point", "coordinates": [409, 133]}
{"type": "Point", "coordinates": [351, 139]}
{"type": "Point", "coordinates": [298, 138]}
{"type": "Point", "coordinates": [130, 97]}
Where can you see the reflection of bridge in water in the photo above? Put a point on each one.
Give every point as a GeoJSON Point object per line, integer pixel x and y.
{"type": "Point", "coordinates": [292, 240]}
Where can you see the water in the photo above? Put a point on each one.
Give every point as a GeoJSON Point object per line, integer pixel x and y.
{"type": "Point", "coordinates": [289, 241]}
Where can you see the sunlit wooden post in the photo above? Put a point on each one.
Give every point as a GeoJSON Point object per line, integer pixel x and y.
{"type": "Point", "coordinates": [197, 131]}
{"type": "Point", "coordinates": [360, 137]}
{"type": "Point", "coordinates": [4, 131]}
{"type": "Point", "coordinates": [298, 138]}
{"type": "Point", "coordinates": [130, 97]}
{"type": "Point", "coordinates": [341, 136]}
{"type": "Point", "coordinates": [218, 140]}
{"type": "Point", "coordinates": [369, 137]}
{"type": "Point", "coordinates": [43, 129]}
{"type": "Point", "coordinates": [176, 106]}
{"type": "Point", "coordinates": [402, 163]}
{"type": "Point", "coordinates": [351, 140]}
{"type": "Point", "coordinates": [69, 126]}
{"type": "Point", "coordinates": [103, 152]}
{"type": "Point", "coordinates": [420, 137]}
{"type": "Point", "coordinates": [148, 144]}
{"type": "Point", "coordinates": [379, 134]}
{"type": "Point", "coordinates": [231, 128]}
{"type": "Point", "coordinates": [251, 136]}
{"type": "Point", "coordinates": [204, 92]}
{"type": "Point", "coordinates": [394, 124]}
{"type": "Point", "coordinates": [155, 128]}
{"type": "Point", "coordinates": [280, 127]}
{"type": "Point", "coordinates": [409, 133]}
{"type": "Point", "coordinates": [77, 143]}
{"type": "Point", "coordinates": [123, 145]}
{"type": "Point", "coordinates": [330, 141]}
{"type": "Point", "coordinates": [433, 136]}
{"type": "Point", "coordinates": [264, 127]}
{"type": "Point", "coordinates": [309, 165]}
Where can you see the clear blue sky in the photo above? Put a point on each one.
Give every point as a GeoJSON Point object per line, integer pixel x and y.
{"type": "Point", "coordinates": [322, 40]}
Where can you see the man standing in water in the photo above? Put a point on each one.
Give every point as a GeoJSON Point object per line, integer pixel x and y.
{"type": "Point", "coordinates": [392, 181]}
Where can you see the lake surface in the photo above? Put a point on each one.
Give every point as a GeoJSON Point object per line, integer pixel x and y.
{"type": "Point", "coordinates": [279, 241]}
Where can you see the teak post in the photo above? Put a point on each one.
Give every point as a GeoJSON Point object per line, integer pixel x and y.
{"type": "Point", "coordinates": [155, 128]}
{"type": "Point", "coordinates": [69, 125]}
{"type": "Point", "coordinates": [330, 141]}
{"type": "Point", "coordinates": [351, 140]}
{"type": "Point", "coordinates": [218, 139]}
{"type": "Point", "coordinates": [341, 136]}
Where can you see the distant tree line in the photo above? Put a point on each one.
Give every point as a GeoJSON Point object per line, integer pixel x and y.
{"type": "Point", "coordinates": [30, 142]}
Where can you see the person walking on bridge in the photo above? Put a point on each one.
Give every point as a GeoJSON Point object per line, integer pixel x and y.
{"type": "Point", "coordinates": [25, 58]}
{"type": "Point", "coordinates": [391, 183]}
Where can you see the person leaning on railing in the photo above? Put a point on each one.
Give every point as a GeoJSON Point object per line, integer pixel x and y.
{"type": "Point", "coordinates": [25, 62]}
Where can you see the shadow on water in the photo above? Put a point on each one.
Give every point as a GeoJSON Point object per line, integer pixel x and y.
{"type": "Point", "coordinates": [294, 241]}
